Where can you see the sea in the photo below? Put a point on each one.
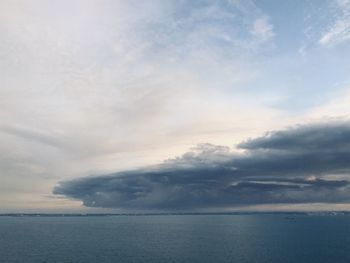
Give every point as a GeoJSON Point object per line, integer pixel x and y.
{"type": "Point", "coordinates": [193, 238]}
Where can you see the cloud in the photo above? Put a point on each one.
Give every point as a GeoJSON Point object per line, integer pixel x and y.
{"type": "Point", "coordinates": [30, 135]}
{"type": "Point", "coordinates": [339, 30]}
{"type": "Point", "coordinates": [319, 137]}
{"type": "Point", "coordinates": [89, 87]}
{"type": "Point", "coordinates": [303, 164]}
{"type": "Point", "coordinates": [263, 29]}
{"type": "Point", "coordinates": [100, 86]}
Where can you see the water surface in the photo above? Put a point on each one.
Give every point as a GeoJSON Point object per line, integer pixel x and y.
{"type": "Point", "coordinates": [176, 238]}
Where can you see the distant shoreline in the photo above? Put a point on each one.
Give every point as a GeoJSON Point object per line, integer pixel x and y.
{"type": "Point", "coordinates": [170, 214]}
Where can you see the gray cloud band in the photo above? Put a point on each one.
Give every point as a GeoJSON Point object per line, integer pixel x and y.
{"type": "Point", "coordinates": [297, 165]}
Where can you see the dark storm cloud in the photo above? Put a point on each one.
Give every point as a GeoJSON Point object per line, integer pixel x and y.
{"type": "Point", "coordinates": [304, 138]}
{"type": "Point", "coordinates": [297, 165]}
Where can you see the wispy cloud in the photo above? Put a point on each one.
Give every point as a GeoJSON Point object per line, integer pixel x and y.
{"type": "Point", "coordinates": [263, 29]}
{"type": "Point", "coordinates": [30, 135]}
{"type": "Point", "coordinates": [339, 31]}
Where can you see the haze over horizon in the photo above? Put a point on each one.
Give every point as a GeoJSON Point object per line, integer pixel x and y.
{"type": "Point", "coordinates": [112, 106]}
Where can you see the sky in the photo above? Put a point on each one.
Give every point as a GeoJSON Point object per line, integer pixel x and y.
{"type": "Point", "coordinates": [164, 105]}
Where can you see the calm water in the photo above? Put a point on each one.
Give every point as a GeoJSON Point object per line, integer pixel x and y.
{"type": "Point", "coordinates": [186, 238]}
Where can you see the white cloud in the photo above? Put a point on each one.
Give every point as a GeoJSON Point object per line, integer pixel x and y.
{"type": "Point", "coordinates": [339, 31]}
{"type": "Point", "coordinates": [263, 29]}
